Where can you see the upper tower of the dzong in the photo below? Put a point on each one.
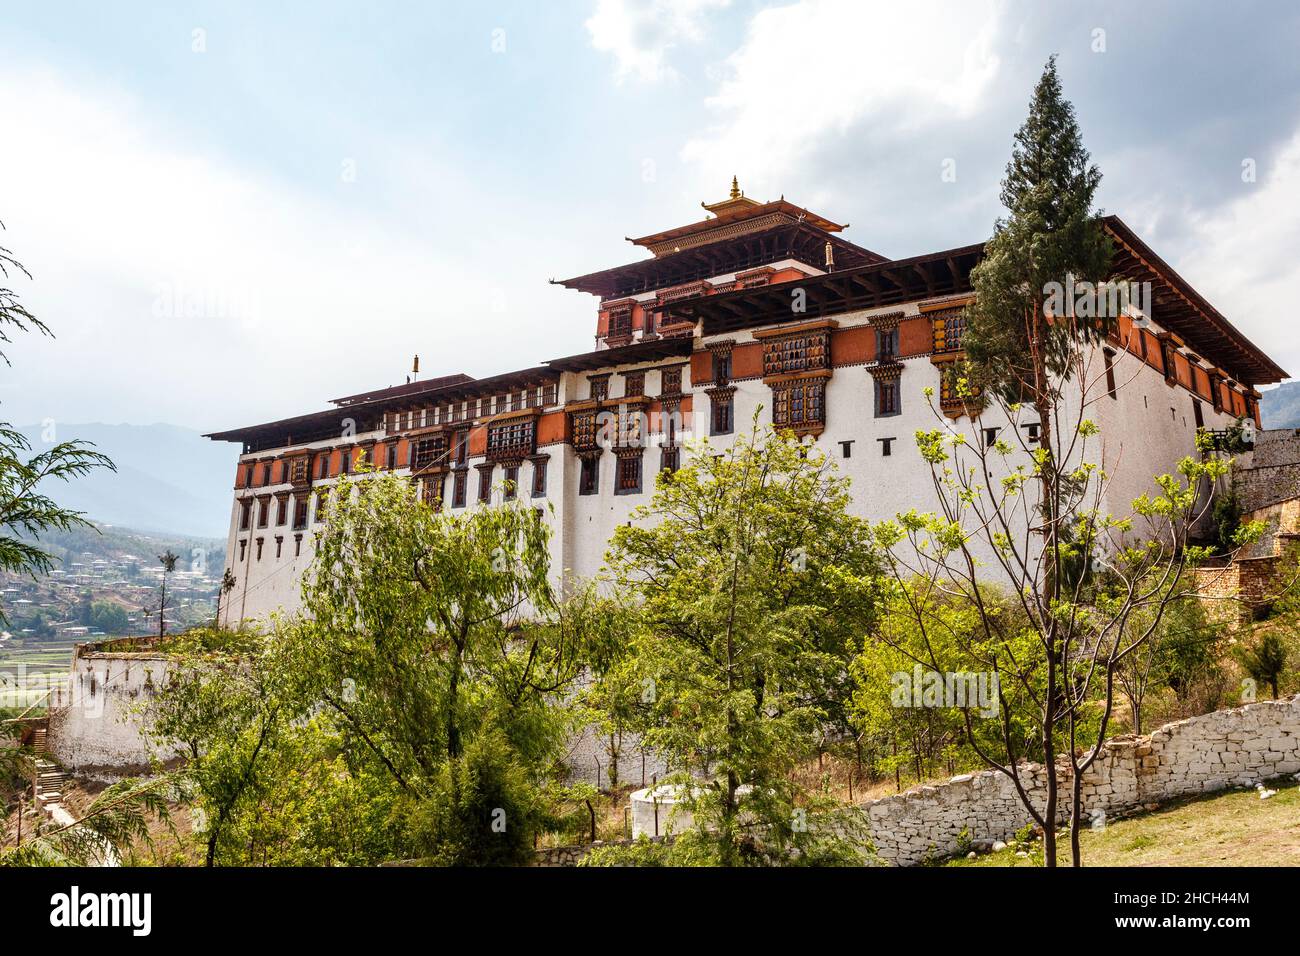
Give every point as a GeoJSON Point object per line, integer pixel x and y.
{"type": "Point", "coordinates": [741, 244]}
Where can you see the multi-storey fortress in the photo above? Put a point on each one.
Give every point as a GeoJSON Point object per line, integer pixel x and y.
{"type": "Point", "coordinates": [759, 304]}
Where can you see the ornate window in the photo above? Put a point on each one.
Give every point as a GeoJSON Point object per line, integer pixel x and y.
{"type": "Point", "coordinates": [431, 492]}
{"type": "Point", "coordinates": [599, 387]}
{"type": "Point", "coordinates": [539, 477]}
{"type": "Point", "coordinates": [629, 474]}
{"type": "Point", "coordinates": [721, 412]}
{"type": "Point", "coordinates": [887, 397]}
{"type": "Point", "coordinates": [634, 383]}
{"type": "Point", "coordinates": [671, 381]}
{"type": "Point", "coordinates": [428, 452]}
{"type": "Point", "coordinates": [669, 458]}
{"type": "Point", "coordinates": [549, 394]}
{"type": "Point", "coordinates": [800, 405]}
{"type": "Point", "coordinates": [804, 352]}
{"type": "Point", "coordinates": [620, 322]}
{"type": "Point", "coordinates": [459, 482]}
{"type": "Point", "coordinates": [510, 440]}
{"type": "Point", "coordinates": [585, 430]}
{"type": "Point", "coordinates": [298, 471]}
{"type": "Point", "coordinates": [949, 325]}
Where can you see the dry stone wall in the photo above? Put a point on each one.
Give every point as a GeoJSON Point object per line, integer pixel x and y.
{"type": "Point", "coordinates": [1239, 747]}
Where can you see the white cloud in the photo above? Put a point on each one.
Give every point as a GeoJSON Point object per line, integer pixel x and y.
{"type": "Point", "coordinates": [640, 33]}
{"type": "Point", "coordinates": [815, 68]}
{"type": "Point", "coordinates": [184, 287]}
{"type": "Point", "coordinates": [1242, 256]}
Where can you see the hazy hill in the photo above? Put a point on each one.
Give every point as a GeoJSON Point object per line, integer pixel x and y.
{"type": "Point", "coordinates": [169, 479]}
{"type": "Point", "coordinates": [1280, 407]}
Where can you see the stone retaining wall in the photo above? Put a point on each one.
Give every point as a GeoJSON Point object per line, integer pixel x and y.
{"type": "Point", "coordinates": [1238, 747]}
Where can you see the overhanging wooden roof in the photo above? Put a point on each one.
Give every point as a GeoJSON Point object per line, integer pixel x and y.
{"type": "Point", "coordinates": [1176, 305]}
{"type": "Point", "coordinates": [801, 241]}
{"type": "Point", "coordinates": [871, 286]}
{"type": "Point", "coordinates": [625, 354]}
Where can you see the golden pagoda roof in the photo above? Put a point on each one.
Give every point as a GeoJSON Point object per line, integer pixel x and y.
{"type": "Point", "coordinates": [732, 213]}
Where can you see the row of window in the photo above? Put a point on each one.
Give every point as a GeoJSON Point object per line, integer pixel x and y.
{"type": "Point", "coordinates": [515, 400]}
{"type": "Point", "coordinates": [670, 383]}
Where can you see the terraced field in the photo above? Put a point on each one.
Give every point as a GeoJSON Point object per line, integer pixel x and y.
{"type": "Point", "coordinates": [28, 669]}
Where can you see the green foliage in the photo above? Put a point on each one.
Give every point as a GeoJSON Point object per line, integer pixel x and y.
{"type": "Point", "coordinates": [1050, 234]}
{"type": "Point", "coordinates": [118, 817]}
{"type": "Point", "coordinates": [482, 812]}
{"type": "Point", "coordinates": [1266, 660]}
{"type": "Point", "coordinates": [754, 584]}
{"type": "Point", "coordinates": [421, 690]}
{"type": "Point", "coordinates": [1226, 515]}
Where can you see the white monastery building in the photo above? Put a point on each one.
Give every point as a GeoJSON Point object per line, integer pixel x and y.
{"type": "Point", "coordinates": [758, 304]}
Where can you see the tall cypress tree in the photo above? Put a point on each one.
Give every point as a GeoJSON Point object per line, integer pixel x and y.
{"type": "Point", "coordinates": [1051, 235]}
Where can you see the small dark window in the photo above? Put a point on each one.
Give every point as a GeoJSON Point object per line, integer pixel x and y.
{"type": "Point", "coordinates": [1108, 355]}
{"type": "Point", "coordinates": [629, 475]}
{"type": "Point", "coordinates": [297, 545]}
{"type": "Point", "coordinates": [512, 483]}
{"type": "Point", "coordinates": [324, 470]}
{"type": "Point", "coordinates": [1031, 433]}
{"type": "Point", "coordinates": [721, 368]}
{"type": "Point", "coordinates": [720, 422]}
{"type": "Point", "coordinates": [392, 456]}
{"type": "Point", "coordinates": [886, 397]}
{"type": "Point", "coordinates": [345, 461]}
{"type": "Point", "coordinates": [1198, 414]}
{"type": "Point", "coordinates": [886, 344]}
{"type": "Point", "coordinates": [245, 514]}
{"type": "Point", "coordinates": [281, 513]}
{"type": "Point", "coordinates": [846, 449]}
{"type": "Point", "coordinates": [260, 542]}
{"type": "Point", "coordinates": [263, 512]}
{"type": "Point", "coordinates": [279, 546]}
{"type": "Point", "coordinates": [484, 484]}
{"type": "Point", "coordinates": [589, 477]}
{"type": "Point", "coordinates": [243, 548]}
{"type": "Point", "coordinates": [990, 436]}
{"type": "Point", "coordinates": [458, 489]}
{"type": "Point", "coordinates": [300, 513]}
{"type": "Point", "coordinates": [539, 478]}
{"type": "Point", "coordinates": [886, 446]}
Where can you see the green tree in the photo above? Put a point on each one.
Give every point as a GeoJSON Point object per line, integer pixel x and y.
{"type": "Point", "coordinates": [168, 561]}
{"type": "Point", "coordinates": [1266, 661]}
{"type": "Point", "coordinates": [430, 665]}
{"type": "Point", "coordinates": [1033, 508]}
{"type": "Point", "coordinates": [755, 585]}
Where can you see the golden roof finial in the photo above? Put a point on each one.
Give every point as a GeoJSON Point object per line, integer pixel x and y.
{"type": "Point", "coordinates": [735, 189]}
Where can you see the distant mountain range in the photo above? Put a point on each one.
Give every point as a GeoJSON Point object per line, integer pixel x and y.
{"type": "Point", "coordinates": [1280, 407]}
{"type": "Point", "coordinates": [169, 479]}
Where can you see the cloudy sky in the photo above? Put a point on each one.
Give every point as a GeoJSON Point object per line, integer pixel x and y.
{"type": "Point", "coordinates": [234, 212]}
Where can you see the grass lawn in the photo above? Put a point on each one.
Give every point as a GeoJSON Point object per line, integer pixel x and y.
{"type": "Point", "coordinates": [1233, 828]}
